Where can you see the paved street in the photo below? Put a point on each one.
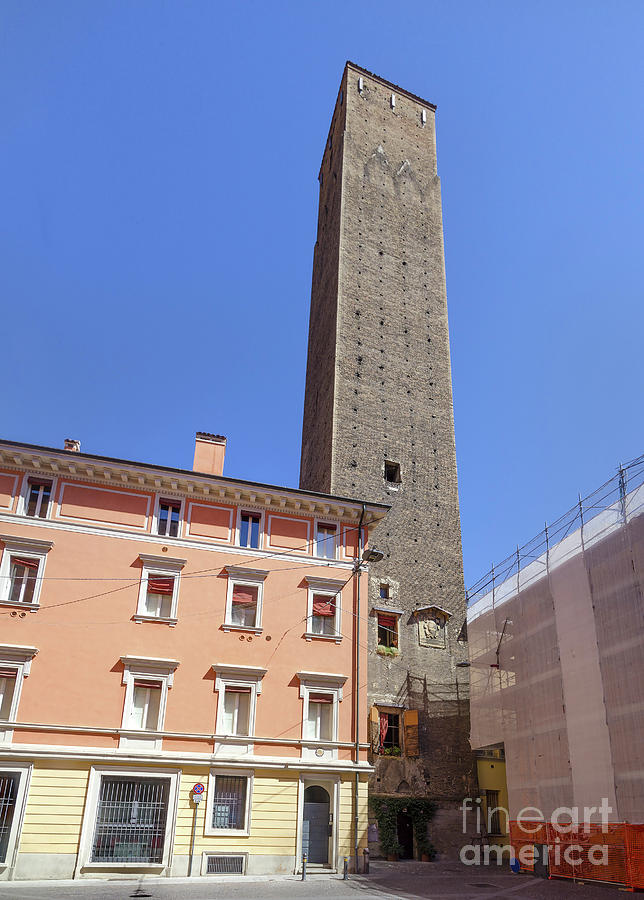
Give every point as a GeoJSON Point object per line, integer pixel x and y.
{"type": "Point", "coordinates": [429, 881]}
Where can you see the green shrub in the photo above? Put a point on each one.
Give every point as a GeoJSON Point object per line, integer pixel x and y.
{"type": "Point", "coordinates": [420, 811]}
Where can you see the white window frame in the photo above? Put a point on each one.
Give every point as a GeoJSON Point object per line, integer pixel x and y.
{"type": "Point", "coordinates": [328, 588]}
{"type": "Point", "coordinates": [253, 512]}
{"type": "Point", "coordinates": [236, 676]}
{"type": "Point", "coordinates": [23, 500]}
{"type": "Point", "coordinates": [336, 541]}
{"type": "Point", "coordinates": [248, 578]}
{"type": "Point", "coordinates": [157, 509]}
{"type": "Point", "coordinates": [23, 770]}
{"type": "Point", "coordinates": [321, 683]}
{"type": "Point", "coordinates": [144, 668]}
{"type": "Point", "coordinates": [91, 808]}
{"type": "Point", "coordinates": [306, 719]}
{"type": "Point", "coordinates": [164, 568]}
{"type": "Point", "coordinates": [18, 658]}
{"type": "Point", "coordinates": [249, 775]}
{"type": "Point", "coordinates": [15, 546]}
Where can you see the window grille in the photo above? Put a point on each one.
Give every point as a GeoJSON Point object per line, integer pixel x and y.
{"type": "Point", "coordinates": [229, 804]}
{"type": "Point", "coordinates": [130, 820]}
{"type": "Point", "coordinates": [224, 865]}
{"type": "Point", "coordinates": [8, 794]}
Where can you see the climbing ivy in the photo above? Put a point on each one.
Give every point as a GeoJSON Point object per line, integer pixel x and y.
{"type": "Point", "coordinates": [419, 810]}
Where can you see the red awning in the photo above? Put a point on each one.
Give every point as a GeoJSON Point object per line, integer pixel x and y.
{"type": "Point", "coordinates": [243, 595]}
{"type": "Point", "coordinates": [160, 585]}
{"type": "Point", "coordinates": [25, 561]}
{"type": "Point", "coordinates": [320, 698]}
{"type": "Point", "coordinates": [323, 606]}
{"type": "Point", "coordinates": [386, 621]}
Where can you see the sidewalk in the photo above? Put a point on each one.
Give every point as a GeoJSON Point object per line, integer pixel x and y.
{"type": "Point", "coordinates": [444, 880]}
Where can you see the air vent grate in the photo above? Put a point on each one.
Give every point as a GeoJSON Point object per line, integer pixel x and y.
{"type": "Point", "coordinates": [224, 865]}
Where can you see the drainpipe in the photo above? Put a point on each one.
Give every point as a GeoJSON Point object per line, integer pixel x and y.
{"type": "Point", "coordinates": [357, 571]}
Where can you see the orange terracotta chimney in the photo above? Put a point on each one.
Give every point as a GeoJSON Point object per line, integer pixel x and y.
{"type": "Point", "coordinates": [210, 450]}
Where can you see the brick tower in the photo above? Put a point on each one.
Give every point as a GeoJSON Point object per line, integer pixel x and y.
{"type": "Point", "coordinates": [378, 423]}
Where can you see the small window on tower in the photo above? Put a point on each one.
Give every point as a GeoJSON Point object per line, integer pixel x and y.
{"type": "Point", "coordinates": [384, 591]}
{"type": "Point", "coordinates": [392, 472]}
{"type": "Point", "coordinates": [387, 630]}
{"type": "Point", "coordinates": [389, 743]}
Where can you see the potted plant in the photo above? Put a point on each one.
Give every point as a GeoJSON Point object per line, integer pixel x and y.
{"type": "Point", "coordinates": [421, 813]}
{"type": "Point", "coordinates": [391, 848]}
{"type": "Point", "coordinates": [391, 751]}
{"type": "Point", "coordinates": [387, 651]}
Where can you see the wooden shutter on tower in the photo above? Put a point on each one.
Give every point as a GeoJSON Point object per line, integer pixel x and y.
{"type": "Point", "coordinates": [374, 729]}
{"type": "Point", "coordinates": [410, 725]}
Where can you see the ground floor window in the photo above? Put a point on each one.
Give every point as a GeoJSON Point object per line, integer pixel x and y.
{"type": "Point", "coordinates": [14, 780]}
{"type": "Point", "coordinates": [492, 811]}
{"type": "Point", "coordinates": [131, 820]}
{"type": "Point", "coordinates": [229, 802]}
{"type": "Point", "coordinates": [9, 782]}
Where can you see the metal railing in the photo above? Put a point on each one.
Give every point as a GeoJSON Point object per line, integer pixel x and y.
{"type": "Point", "coordinates": [8, 793]}
{"type": "Point", "coordinates": [131, 820]}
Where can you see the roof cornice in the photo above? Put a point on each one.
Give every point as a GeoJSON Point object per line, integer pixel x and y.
{"type": "Point", "coordinates": [121, 473]}
{"type": "Point", "coordinates": [389, 84]}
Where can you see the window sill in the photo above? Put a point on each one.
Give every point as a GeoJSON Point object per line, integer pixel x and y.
{"type": "Point", "coordinates": [124, 865]}
{"type": "Point", "coordinates": [32, 607]}
{"type": "Point", "coordinates": [310, 636]}
{"type": "Point", "coordinates": [229, 626]}
{"type": "Point", "coordinates": [222, 832]}
{"type": "Point", "coordinates": [161, 619]}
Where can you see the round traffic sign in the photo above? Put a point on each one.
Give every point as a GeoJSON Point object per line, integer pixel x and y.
{"type": "Point", "coordinates": [198, 788]}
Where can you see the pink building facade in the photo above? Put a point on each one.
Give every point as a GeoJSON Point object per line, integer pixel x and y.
{"type": "Point", "coordinates": [161, 629]}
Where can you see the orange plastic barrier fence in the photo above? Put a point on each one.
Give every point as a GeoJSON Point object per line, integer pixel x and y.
{"type": "Point", "coordinates": [614, 853]}
{"type": "Point", "coordinates": [526, 835]}
{"type": "Point", "coordinates": [635, 852]}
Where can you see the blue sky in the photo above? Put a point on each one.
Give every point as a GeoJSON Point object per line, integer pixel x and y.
{"type": "Point", "coordinates": [158, 201]}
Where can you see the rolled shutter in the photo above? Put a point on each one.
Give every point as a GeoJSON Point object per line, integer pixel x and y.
{"type": "Point", "coordinates": [158, 584]}
{"type": "Point", "coordinates": [244, 595]}
{"type": "Point", "coordinates": [410, 725]}
{"type": "Point", "coordinates": [323, 605]}
{"type": "Point", "coordinates": [25, 561]}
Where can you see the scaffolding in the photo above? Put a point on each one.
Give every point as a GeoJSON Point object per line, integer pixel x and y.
{"type": "Point", "coordinates": [556, 638]}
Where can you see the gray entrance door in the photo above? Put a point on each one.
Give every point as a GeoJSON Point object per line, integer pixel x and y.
{"type": "Point", "coordinates": [315, 827]}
